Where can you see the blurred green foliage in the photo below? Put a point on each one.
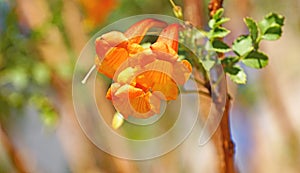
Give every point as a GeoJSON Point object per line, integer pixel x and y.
{"type": "Point", "coordinates": [23, 76]}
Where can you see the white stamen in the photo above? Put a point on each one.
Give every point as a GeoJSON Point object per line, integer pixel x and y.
{"type": "Point", "coordinates": [88, 74]}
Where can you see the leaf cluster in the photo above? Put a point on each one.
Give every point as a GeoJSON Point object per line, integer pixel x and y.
{"type": "Point", "coordinates": [245, 48]}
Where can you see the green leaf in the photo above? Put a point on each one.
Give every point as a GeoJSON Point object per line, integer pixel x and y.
{"type": "Point", "coordinates": [252, 26]}
{"type": "Point", "coordinates": [214, 23]}
{"type": "Point", "coordinates": [256, 60]}
{"type": "Point", "coordinates": [221, 21]}
{"type": "Point", "coordinates": [272, 33]}
{"type": "Point", "coordinates": [220, 46]}
{"type": "Point", "coordinates": [211, 23]}
{"type": "Point", "coordinates": [275, 18]}
{"type": "Point", "coordinates": [219, 32]}
{"type": "Point", "coordinates": [242, 45]}
{"type": "Point", "coordinates": [240, 77]}
{"type": "Point", "coordinates": [232, 70]}
{"type": "Point", "coordinates": [229, 61]}
{"type": "Point", "coordinates": [228, 64]}
{"type": "Point", "coordinates": [219, 13]}
{"type": "Point", "coordinates": [271, 20]}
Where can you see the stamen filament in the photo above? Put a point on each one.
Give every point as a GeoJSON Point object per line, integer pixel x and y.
{"type": "Point", "coordinates": [173, 4]}
{"type": "Point", "coordinates": [88, 74]}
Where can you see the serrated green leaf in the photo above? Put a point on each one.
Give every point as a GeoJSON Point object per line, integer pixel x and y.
{"type": "Point", "coordinates": [240, 77]}
{"type": "Point", "coordinates": [220, 46]}
{"type": "Point", "coordinates": [242, 45]}
{"type": "Point", "coordinates": [272, 33]}
{"type": "Point", "coordinates": [253, 29]}
{"type": "Point", "coordinates": [256, 60]}
{"type": "Point", "coordinates": [219, 32]}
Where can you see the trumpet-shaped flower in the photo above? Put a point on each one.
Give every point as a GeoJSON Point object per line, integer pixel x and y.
{"type": "Point", "coordinates": [115, 47]}
{"type": "Point", "coordinates": [142, 77]}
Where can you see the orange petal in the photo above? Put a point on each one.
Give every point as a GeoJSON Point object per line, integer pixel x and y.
{"type": "Point", "coordinates": [127, 75]}
{"type": "Point", "coordinates": [157, 77]}
{"type": "Point", "coordinates": [128, 91]}
{"type": "Point", "coordinates": [112, 89]}
{"type": "Point", "coordinates": [145, 105]}
{"type": "Point", "coordinates": [137, 31]}
{"type": "Point", "coordinates": [169, 36]}
{"type": "Point", "coordinates": [164, 52]}
{"type": "Point", "coordinates": [134, 48]}
{"type": "Point", "coordinates": [142, 58]}
{"type": "Point", "coordinates": [109, 40]}
{"type": "Point", "coordinates": [112, 61]}
{"type": "Point", "coordinates": [141, 104]}
{"type": "Point", "coordinates": [169, 89]}
{"type": "Point", "coordinates": [155, 103]}
{"type": "Point", "coordinates": [129, 100]}
{"type": "Point", "coordinates": [182, 72]}
{"type": "Point", "coordinates": [136, 62]}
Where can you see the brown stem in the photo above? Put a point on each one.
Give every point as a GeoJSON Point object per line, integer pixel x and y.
{"type": "Point", "coordinates": [226, 144]}
{"type": "Point", "coordinates": [193, 11]}
{"type": "Point", "coordinates": [213, 6]}
{"type": "Point", "coordinates": [12, 152]}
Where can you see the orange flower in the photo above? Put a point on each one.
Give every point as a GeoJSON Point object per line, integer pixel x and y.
{"type": "Point", "coordinates": [146, 77]}
{"type": "Point", "coordinates": [115, 47]}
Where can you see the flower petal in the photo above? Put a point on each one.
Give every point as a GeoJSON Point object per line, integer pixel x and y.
{"type": "Point", "coordinates": [169, 36]}
{"type": "Point", "coordinates": [137, 31]}
{"type": "Point", "coordinates": [113, 59]}
{"type": "Point", "coordinates": [108, 41]}
{"type": "Point", "coordinates": [127, 75]}
{"type": "Point", "coordinates": [182, 72]}
{"type": "Point", "coordinates": [169, 89]}
{"type": "Point", "coordinates": [129, 100]}
{"type": "Point", "coordinates": [128, 91]}
{"type": "Point", "coordinates": [145, 105]}
{"type": "Point", "coordinates": [134, 48]}
{"type": "Point", "coordinates": [164, 52]}
{"type": "Point", "coordinates": [157, 77]}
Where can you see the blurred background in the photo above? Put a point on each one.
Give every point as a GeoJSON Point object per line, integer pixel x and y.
{"type": "Point", "coordinates": [40, 41]}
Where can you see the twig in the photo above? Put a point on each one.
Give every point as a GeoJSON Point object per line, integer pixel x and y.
{"type": "Point", "coordinates": [213, 6]}
{"type": "Point", "coordinates": [227, 144]}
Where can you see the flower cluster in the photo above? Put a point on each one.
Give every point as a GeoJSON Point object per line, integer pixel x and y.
{"type": "Point", "coordinates": [142, 77]}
